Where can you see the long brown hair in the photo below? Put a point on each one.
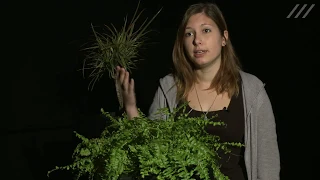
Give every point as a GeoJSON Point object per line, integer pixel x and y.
{"type": "Point", "coordinates": [227, 77]}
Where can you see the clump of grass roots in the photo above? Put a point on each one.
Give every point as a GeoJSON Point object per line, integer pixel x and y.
{"type": "Point", "coordinates": [116, 48]}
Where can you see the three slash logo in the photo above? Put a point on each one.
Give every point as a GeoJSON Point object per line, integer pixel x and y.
{"type": "Point", "coordinates": [305, 14]}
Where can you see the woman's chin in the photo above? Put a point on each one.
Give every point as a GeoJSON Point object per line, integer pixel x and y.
{"type": "Point", "coordinates": [201, 64]}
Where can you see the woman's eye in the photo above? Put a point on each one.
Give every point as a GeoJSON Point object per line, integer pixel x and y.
{"type": "Point", "coordinates": [207, 30]}
{"type": "Point", "coordinates": [188, 34]}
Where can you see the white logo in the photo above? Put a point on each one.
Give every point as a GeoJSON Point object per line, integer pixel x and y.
{"type": "Point", "coordinates": [305, 14]}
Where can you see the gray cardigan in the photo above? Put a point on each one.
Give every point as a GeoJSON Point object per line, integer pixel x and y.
{"type": "Point", "coordinates": [261, 155]}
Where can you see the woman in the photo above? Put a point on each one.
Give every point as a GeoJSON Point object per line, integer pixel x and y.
{"type": "Point", "coordinates": [208, 76]}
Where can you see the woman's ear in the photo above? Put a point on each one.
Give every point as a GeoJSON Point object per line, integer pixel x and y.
{"type": "Point", "coordinates": [225, 37]}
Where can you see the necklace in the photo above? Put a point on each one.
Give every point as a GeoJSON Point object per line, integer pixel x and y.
{"type": "Point", "coordinates": [205, 113]}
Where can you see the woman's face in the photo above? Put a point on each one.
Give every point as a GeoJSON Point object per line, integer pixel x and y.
{"type": "Point", "coordinates": [203, 41]}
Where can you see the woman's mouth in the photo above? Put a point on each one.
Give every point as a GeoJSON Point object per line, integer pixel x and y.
{"type": "Point", "coordinates": [199, 53]}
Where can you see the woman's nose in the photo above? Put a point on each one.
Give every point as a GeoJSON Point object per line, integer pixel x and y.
{"type": "Point", "coordinates": [197, 40]}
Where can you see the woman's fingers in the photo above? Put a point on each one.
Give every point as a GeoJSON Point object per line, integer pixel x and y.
{"type": "Point", "coordinates": [131, 86]}
{"type": "Point", "coordinates": [125, 83]}
{"type": "Point", "coordinates": [122, 75]}
{"type": "Point", "coordinates": [127, 87]}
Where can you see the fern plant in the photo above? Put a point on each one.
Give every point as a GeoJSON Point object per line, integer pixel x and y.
{"type": "Point", "coordinates": [116, 48]}
{"type": "Point", "coordinates": [175, 148]}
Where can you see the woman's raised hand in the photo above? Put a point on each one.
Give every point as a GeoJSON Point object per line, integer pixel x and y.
{"type": "Point", "coordinates": [128, 92]}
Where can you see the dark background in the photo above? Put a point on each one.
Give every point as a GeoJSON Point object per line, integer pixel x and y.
{"type": "Point", "coordinates": [50, 97]}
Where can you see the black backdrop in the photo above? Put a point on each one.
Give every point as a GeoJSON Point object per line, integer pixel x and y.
{"type": "Point", "coordinates": [50, 99]}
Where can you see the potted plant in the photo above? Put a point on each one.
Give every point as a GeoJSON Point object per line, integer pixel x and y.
{"type": "Point", "coordinates": [175, 148]}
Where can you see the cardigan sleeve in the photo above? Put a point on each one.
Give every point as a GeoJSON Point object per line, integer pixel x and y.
{"type": "Point", "coordinates": [267, 145]}
{"type": "Point", "coordinates": [157, 103]}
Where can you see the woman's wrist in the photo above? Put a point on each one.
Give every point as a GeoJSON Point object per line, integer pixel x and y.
{"type": "Point", "coordinates": [132, 111]}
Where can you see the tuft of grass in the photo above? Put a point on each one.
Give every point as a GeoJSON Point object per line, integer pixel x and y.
{"type": "Point", "coordinates": [116, 48]}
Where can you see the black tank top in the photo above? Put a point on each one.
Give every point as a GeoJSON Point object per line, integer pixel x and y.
{"type": "Point", "coordinates": [232, 164]}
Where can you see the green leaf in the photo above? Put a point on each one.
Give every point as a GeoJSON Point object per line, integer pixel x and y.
{"type": "Point", "coordinates": [85, 152]}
